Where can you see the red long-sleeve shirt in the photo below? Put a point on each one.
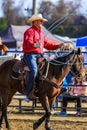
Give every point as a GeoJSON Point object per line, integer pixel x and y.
{"type": "Point", "coordinates": [34, 35]}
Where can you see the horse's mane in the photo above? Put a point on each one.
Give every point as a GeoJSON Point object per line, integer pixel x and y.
{"type": "Point", "coordinates": [65, 57]}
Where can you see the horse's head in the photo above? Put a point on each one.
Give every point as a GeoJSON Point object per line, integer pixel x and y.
{"type": "Point", "coordinates": [78, 64]}
{"type": "Point", "coordinates": [73, 61]}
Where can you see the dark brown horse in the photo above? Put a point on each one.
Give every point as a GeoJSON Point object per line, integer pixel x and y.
{"type": "Point", "coordinates": [47, 87]}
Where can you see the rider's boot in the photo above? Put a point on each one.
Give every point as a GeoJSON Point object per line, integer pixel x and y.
{"type": "Point", "coordinates": [31, 95]}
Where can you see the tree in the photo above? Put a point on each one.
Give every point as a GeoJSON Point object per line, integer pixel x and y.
{"type": "Point", "coordinates": [56, 11]}
{"type": "Point", "coordinates": [62, 9]}
{"type": "Point", "coordinates": [12, 14]}
{"type": "Point", "coordinates": [3, 24]}
{"type": "Point", "coordinates": [46, 9]}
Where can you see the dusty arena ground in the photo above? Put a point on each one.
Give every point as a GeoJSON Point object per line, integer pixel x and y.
{"type": "Point", "coordinates": [25, 120]}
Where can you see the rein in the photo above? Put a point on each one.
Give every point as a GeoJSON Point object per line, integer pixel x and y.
{"type": "Point", "coordinates": [50, 82]}
{"type": "Point", "coordinates": [57, 62]}
{"type": "Point", "coordinates": [47, 79]}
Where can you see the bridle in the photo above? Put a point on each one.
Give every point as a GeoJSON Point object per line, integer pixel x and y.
{"type": "Point", "coordinates": [78, 73]}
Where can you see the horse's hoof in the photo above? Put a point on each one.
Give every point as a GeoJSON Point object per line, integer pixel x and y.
{"type": "Point", "coordinates": [35, 126]}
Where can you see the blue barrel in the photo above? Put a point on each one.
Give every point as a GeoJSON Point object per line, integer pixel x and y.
{"type": "Point", "coordinates": [81, 42]}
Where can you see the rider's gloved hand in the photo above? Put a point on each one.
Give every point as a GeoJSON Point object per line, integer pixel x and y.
{"type": "Point", "coordinates": [37, 44]}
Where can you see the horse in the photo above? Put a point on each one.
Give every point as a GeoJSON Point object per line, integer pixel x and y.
{"type": "Point", "coordinates": [3, 48]}
{"type": "Point", "coordinates": [48, 83]}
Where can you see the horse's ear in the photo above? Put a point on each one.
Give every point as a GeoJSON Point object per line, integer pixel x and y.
{"type": "Point", "coordinates": [79, 51]}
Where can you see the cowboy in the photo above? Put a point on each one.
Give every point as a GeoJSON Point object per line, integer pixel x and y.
{"type": "Point", "coordinates": [33, 44]}
{"type": "Point", "coordinates": [3, 48]}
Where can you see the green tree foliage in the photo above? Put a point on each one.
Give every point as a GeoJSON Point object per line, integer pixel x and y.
{"type": "Point", "coordinates": [3, 24]}
{"type": "Point", "coordinates": [59, 30]}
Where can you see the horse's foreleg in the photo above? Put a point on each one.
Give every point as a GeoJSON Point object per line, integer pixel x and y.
{"type": "Point", "coordinates": [47, 121]}
{"type": "Point", "coordinates": [39, 122]}
{"type": "Point", "coordinates": [5, 117]}
{"type": "Point", "coordinates": [1, 119]}
{"type": "Point", "coordinates": [48, 114]}
{"type": "Point", "coordinates": [45, 105]}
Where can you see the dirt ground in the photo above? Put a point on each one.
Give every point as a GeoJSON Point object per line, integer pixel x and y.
{"type": "Point", "coordinates": [25, 120]}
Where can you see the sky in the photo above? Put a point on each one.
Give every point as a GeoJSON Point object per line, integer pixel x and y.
{"type": "Point", "coordinates": [28, 4]}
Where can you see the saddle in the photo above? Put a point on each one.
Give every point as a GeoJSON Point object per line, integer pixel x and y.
{"type": "Point", "coordinates": [19, 69]}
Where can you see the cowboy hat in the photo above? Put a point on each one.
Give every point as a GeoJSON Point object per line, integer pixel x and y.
{"type": "Point", "coordinates": [36, 17]}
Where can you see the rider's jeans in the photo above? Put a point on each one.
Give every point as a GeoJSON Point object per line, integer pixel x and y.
{"type": "Point", "coordinates": [31, 61]}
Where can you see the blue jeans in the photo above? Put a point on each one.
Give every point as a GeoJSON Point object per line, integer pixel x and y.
{"type": "Point", "coordinates": [31, 61]}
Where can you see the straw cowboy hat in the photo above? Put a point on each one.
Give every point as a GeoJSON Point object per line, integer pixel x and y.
{"type": "Point", "coordinates": [36, 17]}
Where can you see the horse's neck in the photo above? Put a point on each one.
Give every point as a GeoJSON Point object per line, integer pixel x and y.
{"type": "Point", "coordinates": [56, 73]}
{"type": "Point", "coordinates": [66, 58]}
{"type": "Point", "coordinates": [56, 70]}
